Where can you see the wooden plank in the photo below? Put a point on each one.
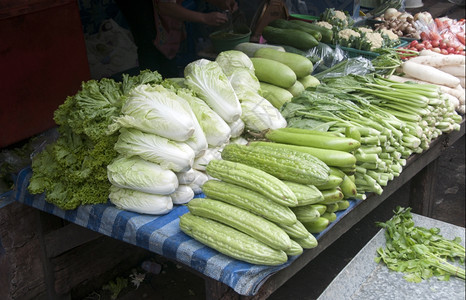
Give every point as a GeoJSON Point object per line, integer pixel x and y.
{"type": "Point", "coordinates": [66, 238]}
{"type": "Point", "coordinates": [88, 266]}
{"type": "Point", "coordinates": [422, 189]}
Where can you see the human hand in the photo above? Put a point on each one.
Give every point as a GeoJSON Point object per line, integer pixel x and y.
{"type": "Point", "coordinates": [215, 18]}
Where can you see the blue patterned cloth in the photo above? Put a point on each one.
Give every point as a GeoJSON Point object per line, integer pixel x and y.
{"type": "Point", "coordinates": [161, 235]}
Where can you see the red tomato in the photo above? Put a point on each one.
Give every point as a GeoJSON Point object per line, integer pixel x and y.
{"type": "Point", "coordinates": [463, 53]}
{"type": "Point", "coordinates": [451, 50]}
{"type": "Point", "coordinates": [413, 43]}
{"type": "Point", "coordinates": [459, 48]}
{"type": "Point", "coordinates": [442, 45]}
{"type": "Point", "coordinates": [435, 43]}
{"type": "Point", "coordinates": [420, 46]}
{"type": "Point", "coordinates": [436, 49]}
{"type": "Point", "coordinates": [444, 51]}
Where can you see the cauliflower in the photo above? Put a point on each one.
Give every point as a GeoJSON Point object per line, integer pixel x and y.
{"type": "Point", "coordinates": [348, 38]}
{"type": "Point", "coordinates": [324, 24]}
{"type": "Point", "coordinates": [337, 18]}
{"type": "Point", "coordinates": [365, 30]}
{"type": "Point", "coordinates": [374, 40]}
{"type": "Point", "coordinates": [369, 40]}
{"type": "Point", "coordinates": [348, 33]}
{"type": "Point", "coordinates": [340, 15]}
{"type": "Point", "coordinates": [390, 38]}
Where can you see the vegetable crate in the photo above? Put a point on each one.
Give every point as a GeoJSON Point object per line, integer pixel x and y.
{"type": "Point", "coordinates": [366, 54]}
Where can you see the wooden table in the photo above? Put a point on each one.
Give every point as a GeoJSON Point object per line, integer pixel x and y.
{"type": "Point", "coordinates": [418, 171]}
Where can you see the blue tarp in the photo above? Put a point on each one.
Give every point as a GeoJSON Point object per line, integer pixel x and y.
{"type": "Point", "coordinates": [161, 235]}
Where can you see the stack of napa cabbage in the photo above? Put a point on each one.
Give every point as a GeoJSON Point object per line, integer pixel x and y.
{"type": "Point", "coordinates": [159, 138]}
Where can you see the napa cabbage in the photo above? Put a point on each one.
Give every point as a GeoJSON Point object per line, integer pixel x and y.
{"type": "Point", "coordinates": [172, 155]}
{"type": "Point", "coordinates": [257, 112]}
{"type": "Point", "coordinates": [208, 81]}
{"type": "Point", "coordinates": [140, 202]}
{"type": "Point", "coordinates": [216, 130]}
{"type": "Point", "coordinates": [141, 175]}
{"type": "Point", "coordinates": [157, 110]}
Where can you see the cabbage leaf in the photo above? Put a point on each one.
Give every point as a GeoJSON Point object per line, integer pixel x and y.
{"type": "Point", "coordinates": [216, 130]}
{"type": "Point", "coordinates": [140, 202]}
{"type": "Point", "coordinates": [141, 175]}
{"type": "Point", "coordinates": [157, 110]}
{"type": "Point", "coordinates": [208, 81]}
{"type": "Point", "coordinates": [171, 155]}
{"type": "Point", "coordinates": [257, 112]}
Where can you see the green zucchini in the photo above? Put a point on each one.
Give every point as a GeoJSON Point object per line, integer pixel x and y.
{"type": "Point", "coordinates": [331, 207]}
{"type": "Point", "coordinates": [317, 225]}
{"type": "Point", "coordinates": [321, 208]}
{"type": "Point", "coordinates": [337, 172]}
{"type": "Point", "coordinates": [285, 24]}
{"type": "Point", "coordinates": [327, 34]}
{"type": "Point", "coordinates": [298, 63]}
{"type": "Point", "coordinates": [333, 182]}
{"type": "Point", "coordinates": [294, 50]}
{"type": "Point", "coordinates": [306, 194]}
{"type": "Point", "coordinates": [230, 241]}
{"type": "Point", "coordinates": [295, 249]}
{"type": "Point", "coordinates": [343, 204]}
{"type": "Point", "coordinates": [295, 230]}
{"type": "Point", "coordinates": [313, 140]}
{"type": "Point", "coordinates": [309, 81]}
{"type": "Point", "coordinates": [331, 158]}
{"type": "Point", "coordinates": [292, 37]}
{"type": "Point", "coordinates": [330, 216]}
{"type": "Point", "coordinates": [306, 213]}
{"type": "Point", "coordinates": [252, 178]}
{"type": "Point", "coordinates": [331, 196]}
{"type": "Point", "coordinates": [307, 242]}
{"type": "Point", "coordinates": [285, 164]}
{"type": "Point", "coordinates": [259, 228]}
{"type": "Point", "coordinates": [296, 89]}
{"type": "Point", "coordinates": [249, 200]}
{"type": "Point", "coordinates": [348, 187]}
{"type": "Point", "coordinates": [250, 48]}
{"type": "Point", "coordinates": [273, 72]}
{"type": "Point", "coordinates": [275, 94]}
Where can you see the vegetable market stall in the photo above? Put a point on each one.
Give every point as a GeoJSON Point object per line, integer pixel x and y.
{"type": "Point", "coordinates": [226, 277]}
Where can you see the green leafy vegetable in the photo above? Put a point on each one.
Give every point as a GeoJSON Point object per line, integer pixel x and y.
{"type": "Point", "coordinates": [72, 170]}
{"type": "Point", "coordinates": [417, 251]}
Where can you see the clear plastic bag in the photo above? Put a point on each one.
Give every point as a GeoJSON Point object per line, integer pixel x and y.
{"type": "Point", "coordinates": [323, 56]}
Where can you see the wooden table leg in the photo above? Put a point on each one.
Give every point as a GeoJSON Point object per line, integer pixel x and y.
{"type": "Point", "coordinates": [422, 190]}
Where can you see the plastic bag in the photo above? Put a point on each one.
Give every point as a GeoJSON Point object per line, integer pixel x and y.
{"type": "Point", "coordinates": [111, 50]}
{"type": "Point", "coordinates": [323, 56]}
{"type": "Point", "coordinates": [354, 65]}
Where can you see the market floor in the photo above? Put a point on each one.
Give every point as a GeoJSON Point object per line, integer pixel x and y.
{"type": "Point", "coordinates": [174, 282]}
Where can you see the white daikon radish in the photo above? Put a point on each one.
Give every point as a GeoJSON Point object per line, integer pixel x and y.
{"type": "Point", "coordinates": [429, 74]}
{"type": "Point", "coordinates": [455, 70]}
{"type": "Point", "coordinates": [440, 60]}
